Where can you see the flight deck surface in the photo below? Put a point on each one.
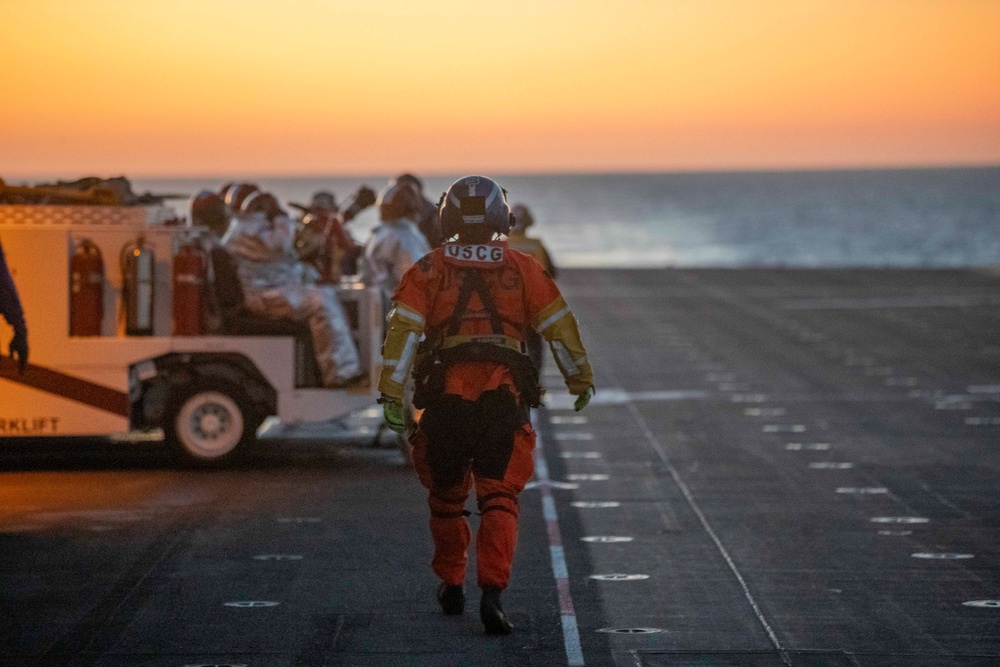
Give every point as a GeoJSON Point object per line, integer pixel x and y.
{"type": "Point", "coordinates": [780, 467]}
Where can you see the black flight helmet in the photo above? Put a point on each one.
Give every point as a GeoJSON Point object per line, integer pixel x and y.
{"type": "Point", "coordinates": [475, 208]}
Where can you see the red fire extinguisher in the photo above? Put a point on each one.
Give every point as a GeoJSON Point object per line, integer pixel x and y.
{"type": "Point", "coordinates": [86, 299]}
{"type": "Point", "coordinates": [137, 265]}
{"type": "Point", "coordinates": [190, 267]}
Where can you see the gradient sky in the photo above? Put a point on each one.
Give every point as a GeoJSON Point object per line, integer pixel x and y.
{"type": "Point", "coordinates": [205, 87]}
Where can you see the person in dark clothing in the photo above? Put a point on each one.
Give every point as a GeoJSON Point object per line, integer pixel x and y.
{"type": "Point", "coordinates": [10, 308]}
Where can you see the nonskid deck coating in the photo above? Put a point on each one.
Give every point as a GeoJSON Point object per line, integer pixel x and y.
{"type": "Point", "coordinates": [729, 406]}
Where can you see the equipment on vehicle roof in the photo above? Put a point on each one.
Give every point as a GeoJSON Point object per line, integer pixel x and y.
{"type": "Point", "coordinates": [90, 191]}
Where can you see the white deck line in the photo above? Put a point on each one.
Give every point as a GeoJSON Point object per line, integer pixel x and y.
{"type": "Point", "coordinates": [571, 632]}
{"type": "Point", "coordinates": [689, 497]}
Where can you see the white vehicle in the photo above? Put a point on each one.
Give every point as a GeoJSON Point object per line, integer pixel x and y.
{"type": "Point", "coordinates": [128, 375]}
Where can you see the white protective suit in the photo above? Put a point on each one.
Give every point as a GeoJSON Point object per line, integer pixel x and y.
{"type": "Point", "coordinates": [273, 282]}
{"type": "Point", "coordinates": [394, 246]}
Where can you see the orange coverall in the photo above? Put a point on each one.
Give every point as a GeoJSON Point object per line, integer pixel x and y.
{"type": "Point", "coordinates": [476, 450]}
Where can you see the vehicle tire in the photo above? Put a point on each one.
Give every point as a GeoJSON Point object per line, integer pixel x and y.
{"type": "Point", "coordinates": [209, 423]}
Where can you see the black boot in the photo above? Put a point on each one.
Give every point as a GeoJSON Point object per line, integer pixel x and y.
{"type": "Point", "coordinates": [451, 599]}
{"type": "Point", "coordinates": [491, 613]}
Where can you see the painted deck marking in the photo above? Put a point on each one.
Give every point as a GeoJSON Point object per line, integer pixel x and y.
{"type": "Point", "coordinates": [630, 631]}
{"type": "Point", "coordinates": [830, 465]}
{"type": "Point", "coordinates": [574, 436]}
{"type": "Point", "coordinates": [588, 478]}
{"type": "Point", "coordinates": [988, 604]}
{"type": "Point", "coordinates": [252, 604]}
{"type": "Point", "coordinates": [570, 629]}
{"type": "Point", "coordinates": [952, 405]}
{"type": "Point", "coordinates": [617, 576]}
{"type": "Point", "coordinates": [562, 486]}
{"type": "Point", "coordinates": [567, 419]}
{"type": "Point", "coordinates": [580, 455]}
{"type": "Point", "coordinates": [595, 504]}
{"type": "Point", "coordinates": [784, 428]}
{"type": "Point", "coordinates": [899, 519]}
{"type": "Point", "coordinates": [982, 421]}
{"type": "Point", "coordinates": [607, 539]}
{"type": "Point", "coordinates": [809, 446]}
{"type": "Point", "coordinates": [862, 490]}
{"type": "Point", "coordinates": [942, 556]}
{"type": "Point", "coordinates": [764, 412]}
{"type": "Point", "coordinates": [618, 396]}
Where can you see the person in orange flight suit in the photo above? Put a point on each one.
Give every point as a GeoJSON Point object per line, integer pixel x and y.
{"type": "Point", "coordinates": [461, 313]}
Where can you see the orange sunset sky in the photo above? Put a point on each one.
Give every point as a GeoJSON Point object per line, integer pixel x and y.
{"type": "Point", "coordinates": [206, 87]}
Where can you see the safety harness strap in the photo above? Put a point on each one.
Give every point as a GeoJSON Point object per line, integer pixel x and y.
{"type": "Point", "coordinates": [472, 281]}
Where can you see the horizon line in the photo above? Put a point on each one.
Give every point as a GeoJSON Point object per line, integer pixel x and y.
{"type": "Point", "coordinates": [293, 175]}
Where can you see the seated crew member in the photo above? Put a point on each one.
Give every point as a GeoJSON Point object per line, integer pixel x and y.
{"type": "Point", "coordinates": [426, 214]}
{"type": "Point", "coordinates": [209, 210]}
{"type": "Point", "coordinates": [471, 300]}
{"type": "Point", "coordinates": [236, 194]}
{"type": "Point", "coordinates": [520, 241]}
{"type": "Point", "coordinates": [396, 243]}
{"type": "Point", "coordinates": [321, 241]}
{"type": "Point", "coordinates": [324, 200]}
{"type": "Point", "coordinates": [261, 241]}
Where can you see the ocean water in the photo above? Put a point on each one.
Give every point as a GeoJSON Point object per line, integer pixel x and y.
{"type": "Point", "coordinates": [861, 218]}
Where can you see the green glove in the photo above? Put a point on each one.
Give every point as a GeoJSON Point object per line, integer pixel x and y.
{"type": "Point", "coordinates": [583, 399]}
{"type": "Point", "coordinates": [392, 410]}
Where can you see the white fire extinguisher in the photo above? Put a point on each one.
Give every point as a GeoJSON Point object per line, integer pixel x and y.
{"type": "Point", "coordinates": [138, 267]}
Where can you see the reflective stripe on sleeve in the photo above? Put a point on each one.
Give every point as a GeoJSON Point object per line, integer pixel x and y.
{"type": "Point", "coordinates": [565, 360]}
{"type": "Point", "coordinates": [409, 314]}
{"type": "Point", "coordinates": [552, 319]}
{"type": "Point", "coordinates": [409, 349]}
